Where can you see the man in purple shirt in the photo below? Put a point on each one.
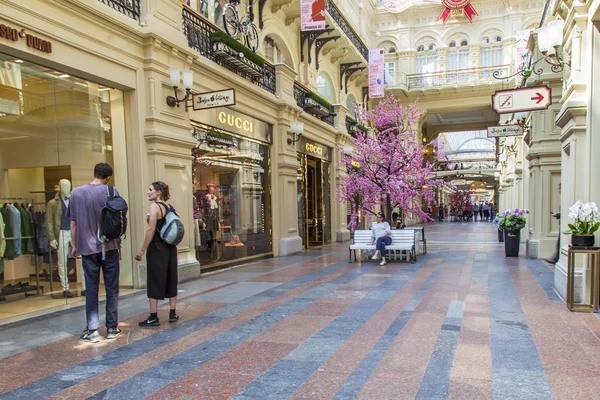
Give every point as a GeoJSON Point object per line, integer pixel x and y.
{"type": "Point", "coordinates": [85, 207]}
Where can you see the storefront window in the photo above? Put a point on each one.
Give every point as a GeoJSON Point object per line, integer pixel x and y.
{"type": "Point", "coordinates": [53, 129]}
{"type": "Point", "coordinates": [231, 196]}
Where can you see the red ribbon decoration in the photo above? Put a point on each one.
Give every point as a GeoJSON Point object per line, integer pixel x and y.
{"type": "Point", "coordinates": [456, 4]}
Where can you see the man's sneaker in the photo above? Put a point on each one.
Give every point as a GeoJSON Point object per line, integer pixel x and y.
{"type": "Point", "coordinates": [90, 336]}
{"type": "Point", "coordinates": [112, 333]}
{"type": "Point", "coordinates": [150, 322]}
{"type": "Point", "coordinates": [173, 317]}
{"type": "Point", "coordinates": [67, 293]}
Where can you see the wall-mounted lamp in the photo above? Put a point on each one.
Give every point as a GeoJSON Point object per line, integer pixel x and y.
{"type": "Point", "coordinates": [377, 33]}
{"type": "Point", "coordinates": [297, 129]}
{"type": "Point", "coordinates": [347, 149]}
{"type": "Point", "coordinates": [549, 39]}
{"type": "Point", "coordinates": [188, 82]}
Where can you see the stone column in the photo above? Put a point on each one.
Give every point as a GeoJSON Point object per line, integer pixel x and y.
{"type": "Point", "coordinates": [286, 239]}
{"type": "Point", "coordinates": [339, 210]}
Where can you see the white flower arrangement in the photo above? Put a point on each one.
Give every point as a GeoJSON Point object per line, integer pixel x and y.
{"type": "Point", "coordinates": [584, 218]}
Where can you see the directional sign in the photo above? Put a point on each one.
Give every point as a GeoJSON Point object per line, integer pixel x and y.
{"type": "Point", "coordinates": [504, 131]}
{"type": "Point", "coordinates": [523, 99]}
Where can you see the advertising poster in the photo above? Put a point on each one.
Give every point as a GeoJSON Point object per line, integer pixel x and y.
{"type": "Point", "coordinates": [312, 15]}
{"type": "Point", "coordinates": [376, 73]}
{"type": "Point", "coordinates": [441, 155]}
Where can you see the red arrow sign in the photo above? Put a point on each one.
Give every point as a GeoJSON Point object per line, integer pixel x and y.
{"type": "Point", "coordinates": [539, 97]}
{"type": "Point", "coordinates": [521, 99]}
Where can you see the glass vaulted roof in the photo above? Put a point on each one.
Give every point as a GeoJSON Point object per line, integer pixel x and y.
{"type": "Point", "coordinates": [467, 145]}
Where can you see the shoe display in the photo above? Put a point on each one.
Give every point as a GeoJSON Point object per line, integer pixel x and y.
{"type": "Point", "coordinates": [67, 294]}
{"type": "Point", "coordinates": [173, 317]}
{"type": "Point", "coordinates": [90, 336]}
{"type": "Point", "coordinates": [112, 333]}
{"type": "Point", "coordinates": [150, 321]}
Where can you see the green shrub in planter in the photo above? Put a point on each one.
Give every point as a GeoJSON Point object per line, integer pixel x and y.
{"type": "Point", "coordinates": [223, 37]}
{"type": "Point", "coordinates": [319, 99]}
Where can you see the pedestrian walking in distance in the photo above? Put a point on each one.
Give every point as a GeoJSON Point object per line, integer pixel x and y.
{"type": "Point", "coordinates": [161, 257]}
{"type": "Point", "coordinates": [86, 208]}
{"type": "Point", "coordinates": [380, 235]}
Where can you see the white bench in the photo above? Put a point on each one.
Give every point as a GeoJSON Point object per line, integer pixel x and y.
{"type": "Point", "coordinates": [402, 240]}
{"type": "Point", "coordinates": [420, 237]}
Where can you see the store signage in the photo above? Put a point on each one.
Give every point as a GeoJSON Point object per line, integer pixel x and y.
{"type": "Point", "coordinates": [221, 98]}
{"type": "Point", "coordinates": [235, 122]}
{"type": "Point", "coordinates": [312, 15]}
{"type": "Point", "coordinates": [504, 131]}
{"type": "Point", "coordinates": [524, 99]}
{"type": "Point", "coordinates": [457, 7]}
{"type": "Point", "coordinates": [214, 139]}
{"type": "Point", "coordinates": [34, 42]}
{"type": "Point", "coordinates": [355, 164]}
{"type": "Point", "coordinates": [313, 149]}
{"type": "Point", "coordinates": [376, 71]}
{"type": "Point", "coordinates": [458, 182]}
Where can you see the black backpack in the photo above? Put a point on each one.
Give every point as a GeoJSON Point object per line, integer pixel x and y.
{"type": "Point", "coordinates": [113, 218]}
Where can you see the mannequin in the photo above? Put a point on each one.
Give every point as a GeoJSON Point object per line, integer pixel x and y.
{"type": "Point", "coordinates": [212, 217]}
{"type": "Point", "coordinates": [59, 233]}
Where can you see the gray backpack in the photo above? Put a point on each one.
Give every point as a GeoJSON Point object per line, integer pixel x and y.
{"type": "Point", "coordinates": [172, 231]}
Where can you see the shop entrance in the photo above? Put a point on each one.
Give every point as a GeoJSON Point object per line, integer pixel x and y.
{"type": "Point", "coordinates": [314, 201]}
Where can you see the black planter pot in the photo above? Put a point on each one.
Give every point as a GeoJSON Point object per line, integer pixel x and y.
{"type": "Point", "coordinates": [512, 242]}
{"type": "Point", "coordinates": [501, 235]}
{"type": "Point", "coordinates": [582, 240]}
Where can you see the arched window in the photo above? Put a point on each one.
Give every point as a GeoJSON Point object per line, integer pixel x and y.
{"type": "Point", "coordinates": [485, 40]}
{"type": "Point", "coordinates": [426, 64]}
{"type": "Point", "coordinates": [458, 59]}
{"type": "Point", "coordinates": [325, 87]}
{"type": "Point", "coordinates": [421, 48]}
{"type": "Point", "coordinates": [491, 54]}
{"type": "Point", "coordinates": [392, 50]}
{"type": "Point", "coordinates": [432, 47]}
{"type": "Point", "coordinates": [452, 44]}
{"type": "Point", "coordinates": [389, 77]}
{"type": "Point", "coordinates": [464, 43]}
{"type": "Point", "coordinates": [350, 100]}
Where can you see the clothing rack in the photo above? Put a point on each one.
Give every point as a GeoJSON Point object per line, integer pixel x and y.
{"type": "Point", "coordinates": [28, 200]}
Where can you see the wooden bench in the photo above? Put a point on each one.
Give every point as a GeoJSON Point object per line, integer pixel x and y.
{"type": "Point", "coordinates": [402, 240]}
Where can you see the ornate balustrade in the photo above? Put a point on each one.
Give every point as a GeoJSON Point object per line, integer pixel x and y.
{"type": "Point", "coordinates": [345, 26]}
{"type": "Point", "coordinates": [457, 77]}
{"type": "Point", "coordinates": [198, 32]}
{"type": "Point", "coordinates": [131, 8]}
{"type": "Point", "coordinates": [307, 105]}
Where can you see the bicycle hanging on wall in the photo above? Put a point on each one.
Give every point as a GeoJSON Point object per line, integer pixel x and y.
{"type": "Point", "coordinates": [241, 28]}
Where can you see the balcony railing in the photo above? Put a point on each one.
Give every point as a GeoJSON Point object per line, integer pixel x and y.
{"type": "Point", "coordinates": [305, 103]}
{"type": "Point", "coordinates": [131, 8]}
{"type": "Point", "coordinates": [350, 126]}
{"type": "Point", "coordinates": [459, 77]}
{"type": "Point", "coordinates": [198, 32]}
{"type": "Point", "coordinates": [337, 16]}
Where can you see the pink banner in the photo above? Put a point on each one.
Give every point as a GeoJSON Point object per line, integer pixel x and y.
{"type": "Point", "coordinates": [312, 15]}
{"type": "Point", "coordinates": [376, 73]}
{"type": "Point", "coordinates": [441, 150]}
{"type": "Point", "coordinates": [522, 37]}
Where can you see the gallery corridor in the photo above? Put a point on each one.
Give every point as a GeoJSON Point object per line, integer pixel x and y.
{"type": "Point", "coordinates": [463, 322]}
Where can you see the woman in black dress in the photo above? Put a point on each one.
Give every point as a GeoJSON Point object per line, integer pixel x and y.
{"type": "Point", "coordinates": [161, 259]}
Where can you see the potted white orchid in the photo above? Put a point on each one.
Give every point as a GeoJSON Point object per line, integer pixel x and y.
{"type": "Point", "coordinates": [584, 220]}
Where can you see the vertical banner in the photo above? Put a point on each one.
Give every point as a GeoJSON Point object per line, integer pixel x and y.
{"type": "Point", "coordinates": [441, 151]}
{"type": "Point", "coordinates": [376, 73]}
{"type": "Point", "coordinates": [522, 37]}
{"type": "Point", "coordinates": [312, 15]}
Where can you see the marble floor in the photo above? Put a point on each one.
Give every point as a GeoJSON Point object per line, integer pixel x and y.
{"type": "Point", "coordinates": [463, 322]}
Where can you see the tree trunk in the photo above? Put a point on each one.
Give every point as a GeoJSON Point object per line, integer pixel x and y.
{"type": "Point", "coordinates": [388, 209]}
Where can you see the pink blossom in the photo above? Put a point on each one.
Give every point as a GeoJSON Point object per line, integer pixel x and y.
{"type": "Point", "coordinates": [387, 169]}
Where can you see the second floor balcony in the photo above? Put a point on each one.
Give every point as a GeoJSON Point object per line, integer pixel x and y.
{"type": "Point", "coordinates": [452, 78]}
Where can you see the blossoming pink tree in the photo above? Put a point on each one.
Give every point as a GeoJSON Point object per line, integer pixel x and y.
{"type": "Point", "coordinates": [387, 169]}
{"type": "Point", "coordinates": [460, 201]}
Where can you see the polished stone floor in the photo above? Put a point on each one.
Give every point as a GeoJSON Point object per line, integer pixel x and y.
{"type": "Point", "coordinates": [463, 322]}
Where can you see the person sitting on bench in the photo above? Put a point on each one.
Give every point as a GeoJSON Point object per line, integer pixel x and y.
{"type": "Point", "coordinates": [380, 233]}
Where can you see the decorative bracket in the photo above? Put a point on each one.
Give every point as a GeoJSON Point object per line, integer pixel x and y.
{"type": "Point", "coordinates": [319, 45]}
{"type": "Point", "coordinates": [261, 7]}
{"type": "Point", "coordinates": [350, 72]}
{"type": "Point", "coordinates": [311, 36]}
{"type": "Point", "coordinates": [344, 67]}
